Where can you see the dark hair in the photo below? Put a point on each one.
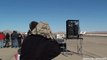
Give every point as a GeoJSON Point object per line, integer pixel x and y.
{"type": "Point", "coordinates": [32, 25]}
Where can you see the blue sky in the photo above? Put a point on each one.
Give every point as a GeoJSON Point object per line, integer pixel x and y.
{"type": "Point", "coordinates": [17, 14]}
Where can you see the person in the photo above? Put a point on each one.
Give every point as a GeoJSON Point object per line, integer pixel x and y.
{"type": "Point", "coordinates": [14, 38]}
{"type": "Point", "coordinates": [2, 37]}
{"type": "Point", "coordinates": [19, 39]}
{"type": "Point", "coordinates": [39, 44]}
{"type": "Point", "coordinates": [7, 39]}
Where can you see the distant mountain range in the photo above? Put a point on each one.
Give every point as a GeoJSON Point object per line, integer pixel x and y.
{"type": "Point", "coordinates": [10, 31]}
{"type": "Point", "coordinates": [7, 31]}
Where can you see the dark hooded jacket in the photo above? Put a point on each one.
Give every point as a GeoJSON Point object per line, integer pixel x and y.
{"type": "Point", "coordinates": [37, 47]}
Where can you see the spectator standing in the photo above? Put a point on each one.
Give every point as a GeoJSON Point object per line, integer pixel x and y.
{"type": "Point", "coordinates": [14, 39]}
{"type": "Point", "coordinates": [2, 38]}
{"type": "Point", "coordinates": [39, 44]}
{"type": "Point", "coordinates": [7, 40]}
{"type": "Point", "coordinates": [19, 39]}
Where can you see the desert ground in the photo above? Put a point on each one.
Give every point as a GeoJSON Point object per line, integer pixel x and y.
{"type": "Point", "coordinates": [92, 47]}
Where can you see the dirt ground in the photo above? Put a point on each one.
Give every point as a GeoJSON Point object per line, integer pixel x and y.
{"type": "Point", "coordinates": [92, 47]}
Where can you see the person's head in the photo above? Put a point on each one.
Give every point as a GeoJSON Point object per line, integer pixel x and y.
{"type": "Point", "coordinates": [32, 25]}
{"type": "Point", "coordinates": [1, 32]}
{"type": "Point", "coordinates": [7, 33]}
{"type": "Point", "coordinates": [43, 29]}
{"type": "Point", "coordinates": [14, 31]}
{"type": "Point", "coordinates": [0, 59]}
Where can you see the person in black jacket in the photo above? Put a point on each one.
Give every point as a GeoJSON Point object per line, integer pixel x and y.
{"type": "Point", "coordinates": [14, 39]}
{"type": "Point", "coordinates": [39, 44]}
{"type": "Point", "coordinates": [7, 39]}
{"type": "Point", "coordinates": [19, 39]}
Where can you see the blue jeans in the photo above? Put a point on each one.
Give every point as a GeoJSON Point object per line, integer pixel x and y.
{"type": "Point", "coordinates": [15, 43]}
{"type": "Point", "coordinates": [1, 43]}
